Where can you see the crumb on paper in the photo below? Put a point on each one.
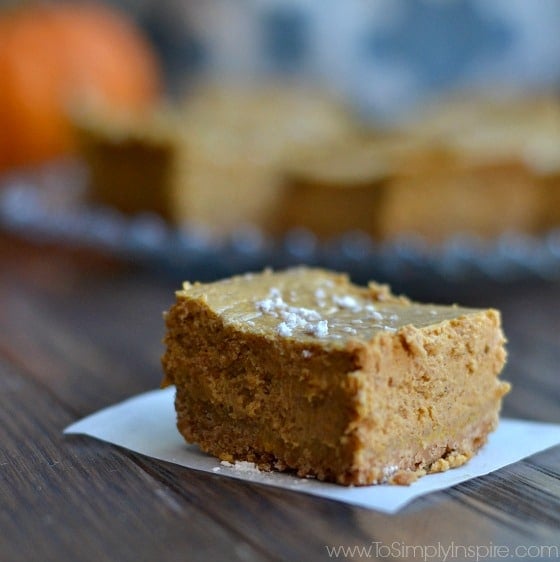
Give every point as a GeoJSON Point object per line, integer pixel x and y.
{"type": "Point", "coordinates": [406, 477]}
{"type": "Point", "coordinates": [242, 466]}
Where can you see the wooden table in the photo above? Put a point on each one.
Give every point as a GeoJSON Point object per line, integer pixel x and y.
{"type": "Point", "coordinates": [80, 332]}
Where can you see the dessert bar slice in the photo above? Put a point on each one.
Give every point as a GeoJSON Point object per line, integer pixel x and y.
{"type": "Point", "coordinates": [214, 160]}
{"type": "Point", "coordinates": [301, 370]}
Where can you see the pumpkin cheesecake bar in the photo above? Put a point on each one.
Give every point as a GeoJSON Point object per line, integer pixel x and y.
{"type": "Point", "coordinates": [212, 161]}
{"type": "Point", "coordinates": [301, 370]}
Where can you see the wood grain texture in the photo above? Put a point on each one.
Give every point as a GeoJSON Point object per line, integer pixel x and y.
{"type": "Point", "coordinates": [79, 333]}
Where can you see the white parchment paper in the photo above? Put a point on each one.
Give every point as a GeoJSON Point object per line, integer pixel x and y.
{"type": "Point", "coordinates": [146, 424]}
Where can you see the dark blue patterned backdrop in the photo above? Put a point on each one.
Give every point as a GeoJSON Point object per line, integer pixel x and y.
{"type": "Point", "coordinates": [384, 55]}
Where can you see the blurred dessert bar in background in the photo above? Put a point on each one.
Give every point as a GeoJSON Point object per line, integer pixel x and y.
{"type": "Point", "coordinates": [216, 161]}
{"type": "Point", "coordinates": [281, 158]}
{"type": "Point", "coordinates": [480, 167]}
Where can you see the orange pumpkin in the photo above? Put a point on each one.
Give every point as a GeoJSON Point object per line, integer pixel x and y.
{"type": "Point", "coordinates": [54, 57]}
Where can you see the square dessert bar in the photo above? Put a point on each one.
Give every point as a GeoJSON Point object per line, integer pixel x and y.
{"type": "Point", "coordinates": [301, 370]}
{"type": "Point", "coordinates": [212, 160]}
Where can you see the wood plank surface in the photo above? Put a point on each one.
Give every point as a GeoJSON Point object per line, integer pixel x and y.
{"type": "Point", "coordinates": [80, 332]}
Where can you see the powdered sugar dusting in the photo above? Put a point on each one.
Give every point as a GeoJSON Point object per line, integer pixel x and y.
{"type": "Point", "coordinates": [336, 315]}
{"type": "Point", "coordinates": [372, 312]}
{"type": "Point", "coordinates": [320, 294]}
{"type": "Point", "coordinates": [284, 330]}
{"type": "Point", "coordinates": [293, 317]}
{"type": "Point", "coordinates": [321, 329]}
{"type": "Point", "coordinates": [347, 301]}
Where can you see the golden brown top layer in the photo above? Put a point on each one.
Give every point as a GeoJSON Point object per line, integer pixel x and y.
{"type": "Point", "coordinates": [313, 305]}
{"type": "Point", "coordinates": [486, 129]}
